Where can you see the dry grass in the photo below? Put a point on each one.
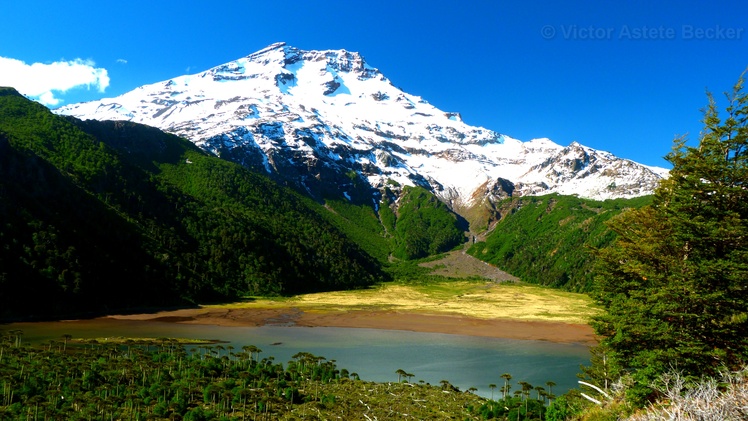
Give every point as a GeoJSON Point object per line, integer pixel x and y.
{"type": "Point", "coordinates": [479, 299]}
{"type": "Point", "coordinates": [708, 400]}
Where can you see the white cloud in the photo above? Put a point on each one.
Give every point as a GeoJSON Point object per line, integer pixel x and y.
{"type": "Point", "coordinates": [43, 81]}
{"type": "Point", "coordinates": [121, 61]}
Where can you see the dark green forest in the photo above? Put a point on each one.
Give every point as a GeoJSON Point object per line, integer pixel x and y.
{"type": "Point", "coordinates": [424, 225]}
{"type": "Point", "coordinates": [547, 240]}
{"type": "Point", "coordinates": [99, 216]}
{"type": "Point", "coordinates": [409, 227]}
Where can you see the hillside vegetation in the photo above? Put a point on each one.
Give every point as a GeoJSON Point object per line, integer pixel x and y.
{"type": "Point", "coordinates": [413, 225]}
{"type": "Point", "coordinates": [424, 225]}
{"type": "Point", "coordinates": [547, 239]}
{"type": "Point", "coordinates": [104, 215]}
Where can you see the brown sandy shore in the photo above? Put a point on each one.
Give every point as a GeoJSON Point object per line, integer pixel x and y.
{"type": "Point", "coordinates": [379, 319]}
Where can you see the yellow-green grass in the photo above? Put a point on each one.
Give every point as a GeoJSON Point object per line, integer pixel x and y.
{"type": "Point", "coordinates": [480, 299]}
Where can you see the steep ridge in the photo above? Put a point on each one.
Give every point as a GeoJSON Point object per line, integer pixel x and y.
{"type": "Point", "coordinates": [332, 126]}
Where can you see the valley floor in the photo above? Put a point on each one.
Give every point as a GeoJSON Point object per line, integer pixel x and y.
{"type": "Point", "coordinates": [380, 319]}
{"type": "Point", "coordinates": [473, 308]}
{"type": "Point", "coordinates": [491, 304]}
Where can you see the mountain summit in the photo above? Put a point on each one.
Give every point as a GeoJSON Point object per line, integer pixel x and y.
{"type": "Point", "coordinates": [331, 125]}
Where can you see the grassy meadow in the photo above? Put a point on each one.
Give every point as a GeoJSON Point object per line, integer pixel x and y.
{"type": "Point", "coordinates": [473, 298]}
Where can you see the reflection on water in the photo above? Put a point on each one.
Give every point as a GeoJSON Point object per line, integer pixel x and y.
{"type": "Point", "coordinates": [465, 361]}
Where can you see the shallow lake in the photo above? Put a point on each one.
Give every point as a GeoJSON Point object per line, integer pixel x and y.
{"type": "Point", "coordinates": [465, 361]}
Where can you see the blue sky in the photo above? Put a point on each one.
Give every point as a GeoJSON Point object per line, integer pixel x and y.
{"type": "Point", "coordinates": [626, 76]}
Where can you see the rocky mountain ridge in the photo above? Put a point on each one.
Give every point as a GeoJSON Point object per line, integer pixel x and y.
{"type": "Point", "coordinates": [331, 125]}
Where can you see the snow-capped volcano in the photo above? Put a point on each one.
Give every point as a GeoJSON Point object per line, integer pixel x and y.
{"type": "Point", "coordinates": [330, 124]}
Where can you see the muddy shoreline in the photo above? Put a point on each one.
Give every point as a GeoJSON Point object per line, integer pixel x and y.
{"type": "Point", "coordinates": [377, 319]}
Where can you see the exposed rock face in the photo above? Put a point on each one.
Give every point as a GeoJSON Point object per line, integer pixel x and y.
{"type": "Point", "coordinates": [330, 125]}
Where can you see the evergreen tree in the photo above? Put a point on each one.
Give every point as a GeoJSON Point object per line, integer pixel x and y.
{"type": "Point", "coordinates": [675, 282]}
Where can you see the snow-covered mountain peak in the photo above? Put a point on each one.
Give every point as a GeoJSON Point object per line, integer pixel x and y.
{"type": "Point", "coordinates": [282, 62]}
{"type": "Point", "coordinates": [329, 123]}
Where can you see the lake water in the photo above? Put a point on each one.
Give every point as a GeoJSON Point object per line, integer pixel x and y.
{"type": "Point", "coordinates": [465, 361]}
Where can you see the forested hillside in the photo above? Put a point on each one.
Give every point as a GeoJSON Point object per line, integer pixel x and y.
{"type": "Point", "coordinates": [101, 216]}
{"type": "Point", "coordinates": [547, 239]}
{"type": "Point", "coordinates": [424, 225]}
{"type": "Point", "coordinates": [409, 227]}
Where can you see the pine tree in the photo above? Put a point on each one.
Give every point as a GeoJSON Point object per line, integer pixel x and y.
{"type": "Point", "coordinates": [675, 282]}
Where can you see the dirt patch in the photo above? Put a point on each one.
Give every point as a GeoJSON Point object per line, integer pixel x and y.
{"type": "Point", "coordinates": [458, 264]}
